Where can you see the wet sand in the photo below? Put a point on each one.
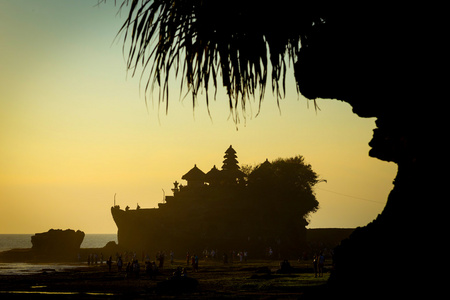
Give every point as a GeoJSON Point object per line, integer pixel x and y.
{"type": "Point", "coordinates": [246, 280]}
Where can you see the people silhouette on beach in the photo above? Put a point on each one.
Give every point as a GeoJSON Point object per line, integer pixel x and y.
{"type": "Point", "coordinates": [321, 264]}
{"type": "Point", "coordinates": [109, 263]}
{"type": "Point", "coordinates": [315, 264]}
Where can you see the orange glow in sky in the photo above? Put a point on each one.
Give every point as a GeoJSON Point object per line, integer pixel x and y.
{"type": "Point", "coordinates": [75, 129]}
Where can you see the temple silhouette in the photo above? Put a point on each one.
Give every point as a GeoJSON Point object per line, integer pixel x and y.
{"type": "Point", "coordinates": [229, 175]}
{"type": "Point", "coordinates": [213, 210]}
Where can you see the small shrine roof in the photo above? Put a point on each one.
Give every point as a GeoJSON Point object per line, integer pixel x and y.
{"type": "Point", "coordinates": [193, 174]}
{"type": "Point", "coordinates": [213, 173]}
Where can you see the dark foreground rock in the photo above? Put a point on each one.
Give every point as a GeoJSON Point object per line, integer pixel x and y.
{"type": "Point", "coordinates": [177, 285]}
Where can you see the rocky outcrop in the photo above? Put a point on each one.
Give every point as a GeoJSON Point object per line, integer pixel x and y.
{"type": "Point", "coordinates": [57, 241]}
{"type": "Point", "coordinates": [386, 79]}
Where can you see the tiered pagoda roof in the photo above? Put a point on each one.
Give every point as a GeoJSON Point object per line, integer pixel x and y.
{"type": "Point", "coordinates": [230, 172]}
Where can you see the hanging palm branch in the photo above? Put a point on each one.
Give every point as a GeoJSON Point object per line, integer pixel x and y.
{"type": "Point", "coordinates": [202, 41]}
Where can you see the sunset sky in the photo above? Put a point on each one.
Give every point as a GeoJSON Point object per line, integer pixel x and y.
{"type": "Point", "coordinates": [76, 129]}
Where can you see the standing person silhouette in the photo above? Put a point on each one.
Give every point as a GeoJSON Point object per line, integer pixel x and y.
{"type": "Point", "coordinates": [321, 263]}
{"type": "Point", "coordinates": [315, 262]}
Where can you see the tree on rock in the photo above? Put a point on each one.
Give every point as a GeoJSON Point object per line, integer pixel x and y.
{"type": "Point", "coordinates": [283, 191]}
{"type": "Point", "coordinates": [286, 183]}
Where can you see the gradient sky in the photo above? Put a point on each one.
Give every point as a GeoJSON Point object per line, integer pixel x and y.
{"type": "Point", "coordinates": [75, 129]}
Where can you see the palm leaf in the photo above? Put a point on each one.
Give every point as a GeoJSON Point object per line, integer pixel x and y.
{"type": "Point", "coordinates": [200, 40]}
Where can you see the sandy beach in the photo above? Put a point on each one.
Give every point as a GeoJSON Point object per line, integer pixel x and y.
{"type": "Point", "coordinates": [214, 279]}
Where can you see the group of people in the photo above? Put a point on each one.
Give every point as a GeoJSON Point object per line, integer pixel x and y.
{"type": "Point", "coordinates": [318, 263]}
{"type": "Point", "coordinates": [213, 255]}
{"type": "Point", "coordinates": [93, 258]}
{"type": "Point", "coordinates": [193, 260]}
{"type": "Point", "coordinates": [179, 273]}
{"type": "Point", "coordinates": [132, 265]}
{"type": "Point", "coordinates": [133, 268]}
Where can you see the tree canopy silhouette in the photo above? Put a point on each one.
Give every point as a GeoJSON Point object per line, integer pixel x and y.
{"type": "Point", "coordinates": [286, 186]}
{"type": "Point", "coordinates": [240, 41]}
{"type": "Point", "coordinates": [278, 198]}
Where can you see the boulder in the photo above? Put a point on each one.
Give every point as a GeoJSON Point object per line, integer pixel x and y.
{"type": "Point", "coordinates": [57, 241]}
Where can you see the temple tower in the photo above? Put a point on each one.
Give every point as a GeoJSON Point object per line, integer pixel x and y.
{"type": "Point", "coordinates": [230, 169]}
